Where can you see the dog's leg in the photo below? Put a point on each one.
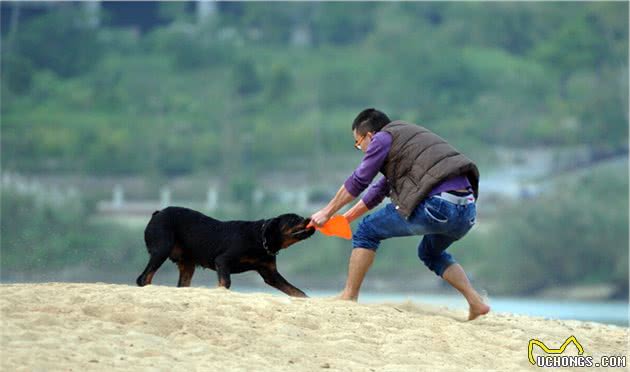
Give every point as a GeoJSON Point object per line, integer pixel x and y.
{"type": "Point", "coordinates": [158, 255]}
{"type": "Point", "coordinates": [159, 244]}
{"type": "Point", "coordinates": [186, 271]}
{"type": "Point", "coordinates": [274, 279]}
{"type": "Point", "coordinates": [223, 272]}
{"type": "Point", "coordinates": [154, 264]}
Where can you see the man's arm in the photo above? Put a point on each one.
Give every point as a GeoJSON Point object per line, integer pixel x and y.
{"type": "Point", "coordinates": [356, 211]}
{"type": "Point", "coordinates": [372, 198]}
{"type": "Point", "coordinates": [342, 198]}
{"type": "Point", "coordinates": [359, 180]}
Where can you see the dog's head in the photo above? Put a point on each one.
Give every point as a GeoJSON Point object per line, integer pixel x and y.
{"type": "Point", "coordinates": [286, 229]}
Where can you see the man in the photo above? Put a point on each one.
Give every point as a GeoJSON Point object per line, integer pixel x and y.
{"type": "Point", "coordinates": [433, 190]}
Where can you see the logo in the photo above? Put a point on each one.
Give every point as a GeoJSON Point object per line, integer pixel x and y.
{"type": "Point", "coordinates": [532, 342]}
{"type": "Point", "coordinates": [556, 360]}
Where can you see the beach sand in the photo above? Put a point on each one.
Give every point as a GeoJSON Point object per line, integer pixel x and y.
{"type": "Point", "coordinates": [106, 327]}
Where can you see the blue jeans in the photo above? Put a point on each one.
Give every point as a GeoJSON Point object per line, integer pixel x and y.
{"type": "Point", "coordinates": [441, 222]}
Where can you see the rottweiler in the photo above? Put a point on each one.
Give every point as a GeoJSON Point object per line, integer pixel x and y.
{"type": "Point", "coordinates": [190, 239]}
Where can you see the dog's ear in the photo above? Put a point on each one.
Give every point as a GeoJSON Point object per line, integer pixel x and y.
{"type": "Point", "coordinates": [272, 233]}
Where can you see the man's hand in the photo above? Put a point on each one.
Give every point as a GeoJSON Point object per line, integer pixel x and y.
{"type": "Point", "coordinates": [320, 217]}
{"type": "Point", "coordinates": [342, 198]}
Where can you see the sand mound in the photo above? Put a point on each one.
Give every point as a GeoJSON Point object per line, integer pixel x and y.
{"type": "Point", "coordinates": [78, 327]}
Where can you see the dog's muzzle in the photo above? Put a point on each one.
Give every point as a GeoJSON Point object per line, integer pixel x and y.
{"type": "Point", "coordinates": [302, 233]}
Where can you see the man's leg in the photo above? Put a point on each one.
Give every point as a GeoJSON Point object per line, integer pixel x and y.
{"type": "Point", "coordinates": [360, 261]}
{"type": "Point", "coordinates": [383, 224]}
{"type": "Point", "coordinates": [455, 276]}
{"type": "Point", "coordinates": [432, 251]}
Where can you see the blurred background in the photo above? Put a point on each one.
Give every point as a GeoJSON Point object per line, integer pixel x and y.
{"type": "Point", "coordinates": [111, 110]}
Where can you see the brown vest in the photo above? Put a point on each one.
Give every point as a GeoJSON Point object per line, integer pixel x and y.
{"type": "Point", "coordinates": [418, 161]}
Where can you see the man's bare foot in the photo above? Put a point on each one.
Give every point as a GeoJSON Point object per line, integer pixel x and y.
{"type": "Point", "coordinates": [477, 310]}
{"type": "Point", "coordinates": [345, 297]}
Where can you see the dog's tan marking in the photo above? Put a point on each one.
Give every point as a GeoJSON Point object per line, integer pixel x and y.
{"type": "Point", "coordinates": [223, 283]}
{"type": "Point", "coordinates": [248, 261]}
{"type": "Point", "coordinates": [176, 253]}
{"type": "Point", "coordinates": [186, 271]}
{"type": "Point", "coordinates": [149, 278]}
{"type": "Point", "coordinates": [288, 241]}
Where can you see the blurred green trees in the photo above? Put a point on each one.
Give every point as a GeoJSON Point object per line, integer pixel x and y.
{"type": "Point", "coordinates": [577, 234]}
{"type": "Point", "coordinates": [498, 73]}
{"type": "Point", "coordinates": [60, 41]}
{"type": "Point", "coordinates": [42, 235]}
{"type": "Point", "coordinates": [179, 99]}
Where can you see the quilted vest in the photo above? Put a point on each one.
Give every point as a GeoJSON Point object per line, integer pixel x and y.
{"type": "Point", "coordinates": [418, 161]}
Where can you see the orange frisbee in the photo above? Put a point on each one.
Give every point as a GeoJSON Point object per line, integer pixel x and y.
{"type": "Point", "coordinates": [337, 225]}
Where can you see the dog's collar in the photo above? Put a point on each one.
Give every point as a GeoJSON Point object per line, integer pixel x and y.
{"type": "Point", "coordinates": [264, 239]}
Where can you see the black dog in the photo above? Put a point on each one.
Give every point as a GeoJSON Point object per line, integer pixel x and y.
{"type": "Point", "coordinates": [191, 239]}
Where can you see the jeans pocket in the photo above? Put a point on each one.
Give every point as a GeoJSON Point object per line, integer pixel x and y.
{"type": "Point", "coordinates": [435, 215]}
{"type": "Point", "coordinates": [472, 214]}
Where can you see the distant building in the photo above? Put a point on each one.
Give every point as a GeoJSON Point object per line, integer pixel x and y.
{"type": "Point", "coordinates": [143, 15]}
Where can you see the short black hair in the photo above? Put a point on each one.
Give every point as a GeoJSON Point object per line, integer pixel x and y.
{"type": "Point", "coordinates": [370, 120]}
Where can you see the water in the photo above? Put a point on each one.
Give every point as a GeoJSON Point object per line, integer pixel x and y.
{"type": "Point", "coordinates": [610, 312]}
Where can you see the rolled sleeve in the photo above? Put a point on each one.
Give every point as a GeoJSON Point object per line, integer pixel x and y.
{"type": "Point", "coordinates": [376, 193]}
{"type": "Point", "coordinates": [354, 185]}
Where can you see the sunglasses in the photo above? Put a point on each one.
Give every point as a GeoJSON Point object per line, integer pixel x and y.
{"type": "Point", "coordinates": [357, 143]}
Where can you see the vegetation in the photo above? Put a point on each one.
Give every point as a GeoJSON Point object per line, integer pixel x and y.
{"type": "Point", "coordinates": [577, 235]}
{"type": "Point", "coordinates": [564, 238]}
{"type": "Point", "coordinates": [265, 86]}
{"type": "Point", "coordinates": [41, 234]}
{"type": "Point", "coordinates": [177, 99]}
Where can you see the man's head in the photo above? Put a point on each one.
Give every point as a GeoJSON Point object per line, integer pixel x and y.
{"type": "Point", "coordinates": [365, 125]}
{"type": "Point", "coordinates": [370, 120]}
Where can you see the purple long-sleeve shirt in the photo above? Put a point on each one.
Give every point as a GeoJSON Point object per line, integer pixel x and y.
{"type": "Point", "coordinates": [368, 169]}
{"type": "Point", "coordinates": [372, 162]}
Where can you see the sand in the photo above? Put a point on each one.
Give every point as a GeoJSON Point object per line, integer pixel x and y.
{"type": "Point", "coordinates": [106, 327]}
